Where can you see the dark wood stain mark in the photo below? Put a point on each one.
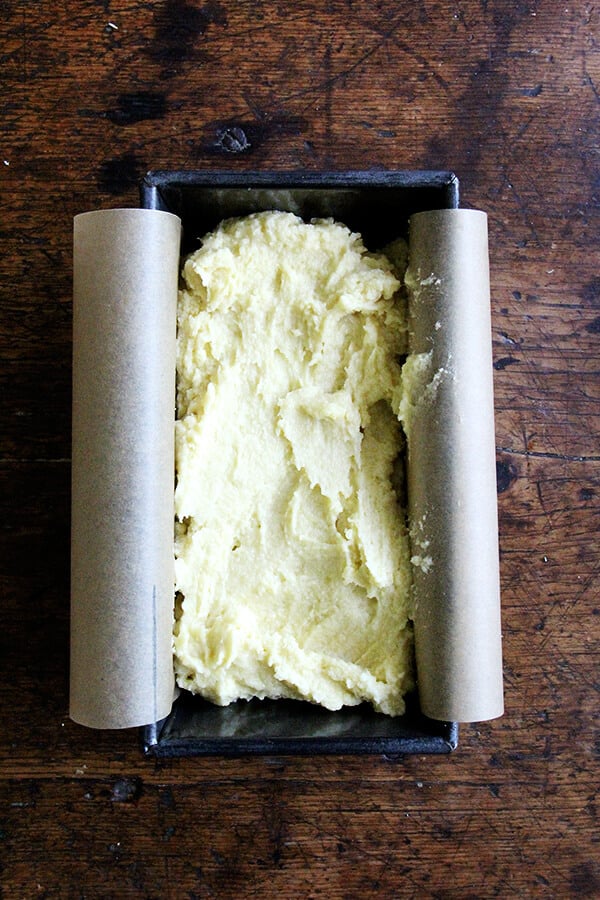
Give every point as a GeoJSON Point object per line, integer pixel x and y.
{"type": "Point", "coordinates": [594, 326]}
{"type": "Point", "coordinates": [137, 107]}
{"type": "Point", "coordinates": [489, 82]}
{"type": "Point", "coordinates": [590, 293]}
{"type": "Point", "coordinates": [119, 173]}
{"type": "Point", "coordinates": [506, 474]}
{"type": "Point", "coordinates": [504, 362]}
{"type": "Point", "coordinates": [585, 879]}
{"type": "Point", "coordinates": [532, 92]}
{"type": "Point", "coordinates": [177, 27]}
{"type": "Point", "coordinates": [166, 797]}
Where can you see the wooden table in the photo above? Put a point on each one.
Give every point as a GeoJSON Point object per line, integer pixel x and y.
{"type": "Point", "coordinates": [505, 94]}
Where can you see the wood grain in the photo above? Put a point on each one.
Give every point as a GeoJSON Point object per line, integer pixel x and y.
{"type": "Point", "coordinates": [506, 95]}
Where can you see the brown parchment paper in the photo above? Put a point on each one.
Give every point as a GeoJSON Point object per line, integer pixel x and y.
{"type": "Point", "coordinates": [451, 469]}
{"type": "Point", "coordinates": [124, 331]}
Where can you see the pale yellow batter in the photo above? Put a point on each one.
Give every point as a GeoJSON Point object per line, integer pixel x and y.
{"type": "Point", "coordinates": [292, 554]}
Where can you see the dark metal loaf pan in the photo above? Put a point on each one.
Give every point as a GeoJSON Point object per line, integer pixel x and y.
{"type": "Point", "coordinates": [378, 205]}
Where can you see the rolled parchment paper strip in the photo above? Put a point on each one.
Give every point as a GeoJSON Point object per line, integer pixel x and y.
{"type": "Point", "coordinates": [449, 419]}
{"type": "Point", "coordinates": [126, 265]}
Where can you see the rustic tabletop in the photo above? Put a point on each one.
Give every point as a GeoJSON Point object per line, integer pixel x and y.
{"type": "Point", "coordinates": [506, 94]}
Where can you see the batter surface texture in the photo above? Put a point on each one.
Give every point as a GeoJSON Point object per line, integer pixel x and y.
{"type": "Point", "coordinates": [292, 553]}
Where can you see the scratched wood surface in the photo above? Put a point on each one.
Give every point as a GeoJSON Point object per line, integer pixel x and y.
{"type": "Point", "coordinates": [505, 94]}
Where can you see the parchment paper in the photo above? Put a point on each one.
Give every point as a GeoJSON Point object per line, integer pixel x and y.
{"type": "Point", "coordinates": [124, 329]}
{"type": "Point", "coordinates": [452, 471]}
